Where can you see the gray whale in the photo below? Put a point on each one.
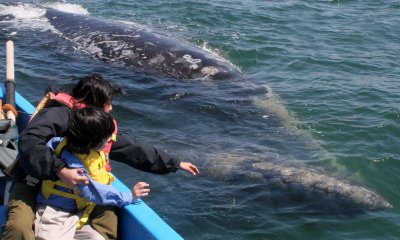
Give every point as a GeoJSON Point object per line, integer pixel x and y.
{"type": "Point", "coordinates": [113, 41]}
{"type": "Point", "coordinates": [292, 181]}
{"type": "Point", "coordinates": [309, 180]}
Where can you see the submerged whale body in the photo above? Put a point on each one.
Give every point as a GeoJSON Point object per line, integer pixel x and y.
{"type": "Point", "coordinates": [112, 41]}
{"type": "Point", "coordinates": [309, 180]}
{"type": "Point", "coordinates": [288, 181]}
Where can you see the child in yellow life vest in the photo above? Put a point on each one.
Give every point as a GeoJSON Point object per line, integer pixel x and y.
{"type": "Point", "coordinates": [63, 212]}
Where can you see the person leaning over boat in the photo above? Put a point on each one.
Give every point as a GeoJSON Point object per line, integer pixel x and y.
{"type": "Point", "coordinates": [63, 211]}
{"type": "Point", "coordinates": [38, 162]}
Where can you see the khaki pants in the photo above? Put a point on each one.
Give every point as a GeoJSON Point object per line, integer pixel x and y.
{"type": "Point", "coordinates": [21, 214]}
{"type": "Point", "coordinates": [52, 223]}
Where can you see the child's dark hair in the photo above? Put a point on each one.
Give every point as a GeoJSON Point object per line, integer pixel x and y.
{"type": "Point", "coordinates": [94, 90]}
{"type": "Point", "coordinates": [88, 128]}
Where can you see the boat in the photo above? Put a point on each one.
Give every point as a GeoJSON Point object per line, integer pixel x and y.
{"type": "Point", "coordinates": [135, 221]}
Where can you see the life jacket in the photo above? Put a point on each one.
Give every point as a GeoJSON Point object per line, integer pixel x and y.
{"type": "Point", "coordinates": [67, 100]}
{"type": "Point", "coordinates": [94, 163]}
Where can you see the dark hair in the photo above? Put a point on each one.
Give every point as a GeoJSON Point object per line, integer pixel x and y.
{"type": "Point", "coordinates": [88, 128]}
{"type": "Point", "coordinates": [94, 90]}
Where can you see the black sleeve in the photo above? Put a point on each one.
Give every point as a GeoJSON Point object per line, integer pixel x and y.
{"type": "Point", "coordinates": [142, 156]}
{"type": "Point", "coordinates": [35, 157]}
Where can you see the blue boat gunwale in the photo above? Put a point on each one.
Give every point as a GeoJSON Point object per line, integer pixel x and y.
{"type": "Point", "coordinates": [135, 221]}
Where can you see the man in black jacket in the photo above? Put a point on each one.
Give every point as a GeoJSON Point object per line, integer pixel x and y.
{"type": "Point", "coordinates": [37, 162]}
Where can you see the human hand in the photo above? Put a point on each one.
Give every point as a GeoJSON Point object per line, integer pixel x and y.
{"type": "Point", "coordinates": [187, 166]}
{"type": "Point", "coordinates": [140, 189]}
{"type": "Point", "coordinates": [72, 176]}
{"type": "Point", "coordinates": [10, 115]}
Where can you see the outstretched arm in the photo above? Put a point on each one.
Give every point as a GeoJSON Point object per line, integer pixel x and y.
{"type": "Point", "coordinates": [142, 156]}
{"type": "Point", "coordinates": [104, 194]}
{"type": "Point", "coordinates": [147, 158]}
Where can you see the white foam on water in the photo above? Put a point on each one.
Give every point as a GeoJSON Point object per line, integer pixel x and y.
{"type": "Point", "coordinates": [23, 11]}
{"type": "Point", "coordinates": [133, 24]}
{"type": "Point", "coordinates": [68, 7]}
{"type": "Point", "coordinates": [26, 16]}
{"type": "Point", "coordinates": [217, 55]}
{"type": "Point", "coordinates": [33, 16]}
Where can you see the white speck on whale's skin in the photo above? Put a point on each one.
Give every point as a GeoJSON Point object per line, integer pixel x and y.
{"type": "Point", "coordinates": [171, 54]}
{"type": "Point", "coordinates": [189, 59]}
{"type": "Point", "coordinates": [107, 42]}
{"type": "Point", "coordinates": [93, 49]}
{"type": "Point", "coordinates": [156, 60]}
{"type": "Point", "coordinates": [193, 61]}
{"type": "Point", "coordinates": [209, 71]}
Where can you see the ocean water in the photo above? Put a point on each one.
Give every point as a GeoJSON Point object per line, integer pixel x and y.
{"type": "Point", "coordinates": [320, 89]}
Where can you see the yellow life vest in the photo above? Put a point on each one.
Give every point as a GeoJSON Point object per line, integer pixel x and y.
{"type": "Point", "coordinates": [94, 163]}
